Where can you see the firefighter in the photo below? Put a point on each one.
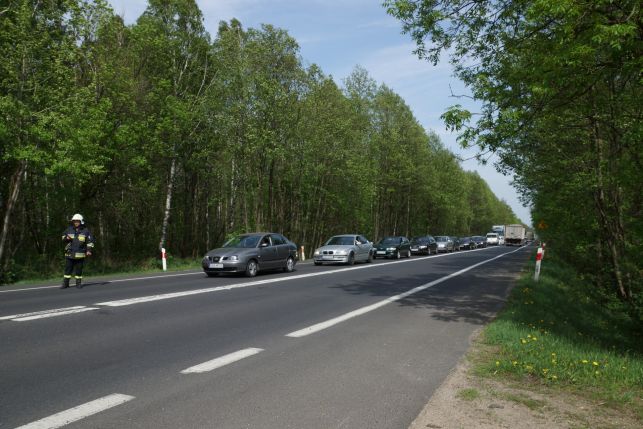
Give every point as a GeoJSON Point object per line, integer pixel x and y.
{"type": "Point", "coordinates": [79, 244]}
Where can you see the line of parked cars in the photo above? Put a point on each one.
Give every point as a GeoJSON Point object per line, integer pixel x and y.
{"type": "Point", "coordinates": [250, 253]}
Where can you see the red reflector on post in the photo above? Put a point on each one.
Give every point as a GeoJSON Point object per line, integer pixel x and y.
{"type": "Point", "coordinates": [539, 254]}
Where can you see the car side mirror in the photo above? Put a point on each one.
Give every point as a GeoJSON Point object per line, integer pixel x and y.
{"type": "Point", "coordinates": [263, 245]}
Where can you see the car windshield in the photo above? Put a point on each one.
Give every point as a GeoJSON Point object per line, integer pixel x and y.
{"type": "Point", "coordinates": [441, 238]}
{"type": "Point", "coordinates": [244, 241]}
{"type": "Point", "coordinates": [492, 235]}
{"type": "Point", "coordinates": [340, 241]}
{"type": "Point", "coordinates": [418, 240]}
{"type": "Point", "coordinates": [390, 240]}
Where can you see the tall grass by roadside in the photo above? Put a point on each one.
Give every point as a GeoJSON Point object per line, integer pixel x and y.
{"type": "Point", "coordinates": [553, 332]}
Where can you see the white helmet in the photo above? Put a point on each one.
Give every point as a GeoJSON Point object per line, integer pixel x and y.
{"type": "Point", "coordinates": [77, 216]}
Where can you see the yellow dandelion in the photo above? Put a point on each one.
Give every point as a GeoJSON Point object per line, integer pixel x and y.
{"type": "Point", "coordinates": [595, 363]}
{"type": "Point", "coordinates": [514, 363]}
{"type": "Point", "coordinates": [535, 339]}
{"type": "Point", "coordinates": [585, 361]}
{"type": "Point", "coordinates": [497, 363]}
{"type": "Point", "coordinates": [597, 372]}
{"type": "Point", "coordinates": [553, 377]}
{"type": "Point", "coordinates": [522, 340]}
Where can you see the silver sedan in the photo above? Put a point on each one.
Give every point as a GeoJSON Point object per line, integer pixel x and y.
{"type": "Point", "coordinates": [249, 253]}
{"type": "Point", "coordinates": [344, 249]}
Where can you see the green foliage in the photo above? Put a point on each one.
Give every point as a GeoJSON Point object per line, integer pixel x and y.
{"type": "Point", "coordinates": [555, 332]}
{"type": "Point", "coordinates": [560, 84]}
{"type": "Point", "coordinates": [159, 130]}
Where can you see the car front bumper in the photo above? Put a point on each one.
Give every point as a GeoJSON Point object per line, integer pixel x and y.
{"type": "Point", "coordinates": [331, 259]}
{"type": "Point", "coordinates": [223, 266]}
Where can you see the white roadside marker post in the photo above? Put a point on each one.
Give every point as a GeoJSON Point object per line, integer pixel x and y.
{"type": "Point", "coordinates": [302, 254]}
{"type": "Point", "coordinates": [539, 257]}
{"type": "Point", "coordinates": [164, 258]}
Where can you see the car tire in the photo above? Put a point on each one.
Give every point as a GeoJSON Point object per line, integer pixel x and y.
{"type": "Point", "coordinates": [397, 254]}
{"type": "Point", "coordinates": [211, 274]}
{"type": "Point", "coordinates": [290, 265]}
{"type": "Point", "coordinates": [317, 263]}
{"type": "Point", "coordinates": [370, 257]}
{"type": "Point", "coordinates": [252, 268]}
{"type": "Point", "coordinates": [408, 253]}
{"type": "Point", "coordinates": [351, 259]}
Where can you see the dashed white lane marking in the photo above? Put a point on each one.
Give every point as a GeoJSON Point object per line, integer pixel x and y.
{"type": "Point", "coordinates": [47, 313]}
{"type": "Point", "coordinates": [80, 412]}
{"type": "Point", "coordinates": [334, 321]}
{"type": "Point", "coordinates": [222, 361]}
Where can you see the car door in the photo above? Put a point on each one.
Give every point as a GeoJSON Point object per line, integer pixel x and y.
{"type": "Point", "coordinates": [281, 248]}
{"type": "Point", "coordinates": [267, 253]}
{"type": "Point", "coordinates": [405, 247]}
{"type": "Point", "coordinates": [364, 248]}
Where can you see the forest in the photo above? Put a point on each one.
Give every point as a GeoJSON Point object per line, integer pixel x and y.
{"type": "Point", "coordinates": [163, 135]}
{"type": "Point", "coordinates": [560, 87]}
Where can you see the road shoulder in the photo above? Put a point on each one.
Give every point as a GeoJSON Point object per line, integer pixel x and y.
{"type": "Point", "coordinates": [466, 400]}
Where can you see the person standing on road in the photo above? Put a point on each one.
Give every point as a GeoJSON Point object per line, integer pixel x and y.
{"type": "Point", "coordinates": [79, 244]}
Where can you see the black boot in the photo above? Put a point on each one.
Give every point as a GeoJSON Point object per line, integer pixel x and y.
{"type": "Point", "coordinates": [65, 284]}
{"type": "Point", "coordinates": [78, 284]}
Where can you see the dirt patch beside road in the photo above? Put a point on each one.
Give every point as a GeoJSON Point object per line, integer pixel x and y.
{"type": "Point", "coordinates": [466, 400]}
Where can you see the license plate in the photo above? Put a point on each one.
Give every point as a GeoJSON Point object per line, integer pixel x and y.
{"type": "Point", "coordinates": [414, 249]}
{"type": "Point", "coordinates": [381, 252]}
{"type": "Point", "coordinates": [327, 257]}
{"type": "Point", "coordinates": [216, 265]}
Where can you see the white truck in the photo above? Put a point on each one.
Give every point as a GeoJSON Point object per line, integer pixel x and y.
{"type": "Point", "coordinates": [515, 234]}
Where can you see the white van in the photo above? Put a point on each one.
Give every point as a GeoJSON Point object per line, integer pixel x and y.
{"type": "Point", "coordinates": [492, 239]}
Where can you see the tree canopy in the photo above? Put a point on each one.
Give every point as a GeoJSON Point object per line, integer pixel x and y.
{"type": "Point", "coordinates": [163, 135]}
{"type": "Point", "coordinates": [560, 87]}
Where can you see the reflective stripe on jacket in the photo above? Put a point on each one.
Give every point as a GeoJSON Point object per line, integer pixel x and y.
{"type": "Point", "coordinates": [78, 241]}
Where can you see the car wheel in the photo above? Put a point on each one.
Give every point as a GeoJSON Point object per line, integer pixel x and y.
{"type": "Point", "coordinates": [212, 274]}
{"type": "Point", "coordinates": [290, 265]}
{"type": "Point", "coordinates": [408, 253]}
{"type": "Point", "coordinates": [370, 257]}
{"type": "Point", "coordinates": [317, 263]}
{"type": "Point", "coordinates": [397, 254]}
{"type": "Point", "coordinates": [351, 259]}
{"type": "Point", "coordinates": [252, 268]}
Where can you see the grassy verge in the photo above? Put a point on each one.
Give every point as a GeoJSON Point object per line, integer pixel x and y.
{"type": "Point", "coordinates": [553, 334]}
{"type": "Point", "coordinates": [53, 271]}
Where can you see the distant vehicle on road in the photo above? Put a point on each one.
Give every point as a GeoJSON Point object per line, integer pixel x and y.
{"type": "Point", "coordinates": [515, 235]}
{"type": "Point", "coordinates": [344, 249]}
{"type": "Point", "coordinates": [492, 239]}
{"type": "Point", "coordinates": [479, 240]}
{"type": "Point", "coordinates": [424, 245]}
{"type": "Point", "coordinates": [445, 243]}
{"type": "Point", "coordinates": [499, 229]}
{"type": "Point", "coordinates": [466, 243]}
{"type": "Point", "coordinates": [393, 247]}
{"type": "Point", "coordinates": [251, 253]}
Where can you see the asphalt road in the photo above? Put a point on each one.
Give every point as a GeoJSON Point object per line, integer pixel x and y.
{"type": "Point", "coordinates": [323, 347]}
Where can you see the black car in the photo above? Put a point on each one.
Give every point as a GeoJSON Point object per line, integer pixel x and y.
{"type": "Point", "coordinates": [250, 253]}
{"type": "Point", "coordinates": [392, 247]}
{"type": "Point", "coordinates": [479, 240]}
{"type": "Point", "coordinates": [424, 245]}
{"type": "Point", "coordinates": [467, 243]}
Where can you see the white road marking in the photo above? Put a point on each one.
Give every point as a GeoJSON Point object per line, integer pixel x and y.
{"type": "Point", "coordinates": [80, 412]}
{"type": "Point", "coordinates": [222, 361]}
{"type": "Point", "coordinates": [328, 323]}
{"type": "Point", "coordinates": [142, 299]}
{"type": "Point", "coordinates": [47, 313]}
{"type": "Point", "coordinates": [201, 273]}
{"type": "Point", "coordinates": [139, 300]}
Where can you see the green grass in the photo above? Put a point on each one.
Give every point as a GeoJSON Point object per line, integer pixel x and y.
{"type": "Point", "coordinates": [468, 394]}
{"type": "Point", "coordinates": [552, 332]}
{"type": "Point", "coordinates": [52, 271]}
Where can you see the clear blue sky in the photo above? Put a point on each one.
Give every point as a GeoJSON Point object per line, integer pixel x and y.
{"type": "Point", "coordinates": [338, 35]}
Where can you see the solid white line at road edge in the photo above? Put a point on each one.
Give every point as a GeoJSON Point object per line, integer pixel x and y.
{"type": "Point", "coordinates": [221, 361]}
{"type": "Point", "coordinates": [80, 412]}
{"type": "Point", "coordinates": [334, 321]}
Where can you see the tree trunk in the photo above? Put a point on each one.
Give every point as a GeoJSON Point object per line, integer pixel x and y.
{"type": "Point", "coordinates": [168, 204]}
{"type": "Point", "coordinates": [14, 191]}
